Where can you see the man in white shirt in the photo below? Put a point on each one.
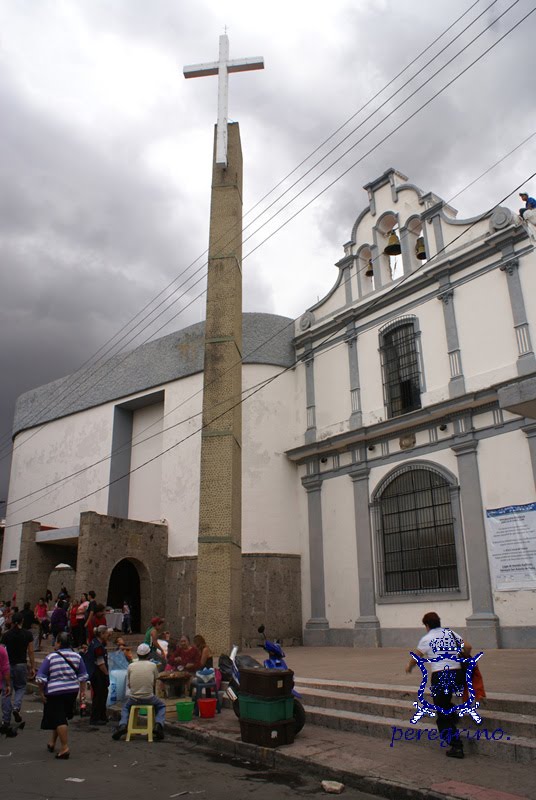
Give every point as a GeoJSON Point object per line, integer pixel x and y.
{"type": "Point", "coordinates": [448, 676]}
{"type": "Point", "coordinates": [141, 680]}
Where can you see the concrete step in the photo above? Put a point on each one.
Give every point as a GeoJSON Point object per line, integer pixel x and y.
{"type": "Point", "coordinates": [512, 703]}
{"type": "Point", "coordinates": [523, 725]}
{"type": "Point", "coordinates": [392, 730]}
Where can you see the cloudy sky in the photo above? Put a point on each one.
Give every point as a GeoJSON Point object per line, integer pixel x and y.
{"type": "Point", "coordinates": [105, 151]}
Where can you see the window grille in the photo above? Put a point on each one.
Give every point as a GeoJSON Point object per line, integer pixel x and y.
{"type": "Point", "coordinates": [402, 383]}
{"type": "Point", "coordinates": [417, 544]}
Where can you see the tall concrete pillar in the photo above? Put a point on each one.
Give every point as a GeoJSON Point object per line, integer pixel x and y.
{"type": "Point", "coordinates": [367, 625]}
{"type": "Point", "coordinates": [483, 623]}
{"type": "Point", "coordinates": [219, 576]}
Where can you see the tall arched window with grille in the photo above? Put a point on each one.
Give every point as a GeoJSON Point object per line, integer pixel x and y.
{"type": "Point", "coordinates": [401, 365]}
{"type": "Point", "coordinates": [416, 533]}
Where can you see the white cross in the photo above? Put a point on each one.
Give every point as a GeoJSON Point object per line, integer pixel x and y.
{"type": "Point", "coordinates": [222, 68]}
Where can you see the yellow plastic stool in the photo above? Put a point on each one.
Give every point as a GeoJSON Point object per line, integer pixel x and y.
{"type": "Point", "coordinates": [134, 722]}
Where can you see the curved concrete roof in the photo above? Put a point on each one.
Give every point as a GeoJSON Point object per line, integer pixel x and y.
{"type": "Point", "coordinates": [266, 337]}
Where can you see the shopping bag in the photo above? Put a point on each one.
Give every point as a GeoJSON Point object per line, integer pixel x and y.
{"type": "Point", "coordinates": [118, 687]}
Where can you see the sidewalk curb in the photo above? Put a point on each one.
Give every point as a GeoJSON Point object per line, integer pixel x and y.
{"type": "Point", "coordinates": [280, 759]}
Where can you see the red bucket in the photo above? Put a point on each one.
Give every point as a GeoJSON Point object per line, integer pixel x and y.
{"type": "Point", "coordinates": [207, 707]}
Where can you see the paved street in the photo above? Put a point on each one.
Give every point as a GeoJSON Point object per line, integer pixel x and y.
{"type": "Point", "coordinates": [136, 770]}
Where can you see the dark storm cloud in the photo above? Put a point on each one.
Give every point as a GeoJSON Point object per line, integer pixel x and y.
{"type": "Point", "coordinates": [88, 234]}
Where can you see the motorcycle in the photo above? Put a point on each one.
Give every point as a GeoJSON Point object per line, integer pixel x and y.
{"type": "Point", "coordinates": [230, 669]}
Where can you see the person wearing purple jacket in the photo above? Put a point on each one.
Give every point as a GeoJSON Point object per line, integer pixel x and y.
{"type": "Point", "coordinates": [58, 619]}
{"type": "Point", "coordinates": [59, 678]}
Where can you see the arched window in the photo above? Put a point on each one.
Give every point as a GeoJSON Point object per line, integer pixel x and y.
{"type": "Point", "coordinates": [401, 365]}
{"type": "Point", "coordinates": [416, 532]}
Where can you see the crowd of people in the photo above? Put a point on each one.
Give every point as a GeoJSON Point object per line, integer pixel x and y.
{"type": "Point", "coordinates": [82, 643]}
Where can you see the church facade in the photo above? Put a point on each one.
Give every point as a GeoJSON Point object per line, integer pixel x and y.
{"type": "Point", "coordinates": [381, 429]}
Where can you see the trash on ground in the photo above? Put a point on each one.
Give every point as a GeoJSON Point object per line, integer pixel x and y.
{"type": "Point", "coordinates": [332, 787]}
{"type": "Point", "coordinates": [6, 755]}
{"type": "Point", "coordinates": [75, 780]}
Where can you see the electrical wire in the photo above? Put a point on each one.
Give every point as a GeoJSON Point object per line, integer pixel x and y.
{"type": "Point", "coordinates": [88, 376]}
{"type": "Point", "coordinates": [275, 377]}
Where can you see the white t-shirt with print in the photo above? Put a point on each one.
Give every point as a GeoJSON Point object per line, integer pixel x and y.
{"type": "Point", "coordinates": [441, 641]}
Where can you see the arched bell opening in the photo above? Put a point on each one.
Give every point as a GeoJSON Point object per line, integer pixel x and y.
{"type": "Point", "coordinates": [130, 583]}
{"type": "Point", "coordinates": [416, 243]}
{"type": "Point", "coordinates": [392, 266]}
{"type": "Point", "coordinates": [365, 270]}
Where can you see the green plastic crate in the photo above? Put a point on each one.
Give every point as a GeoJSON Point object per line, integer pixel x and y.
{"type": "Point", "coordinates": [259, 709]}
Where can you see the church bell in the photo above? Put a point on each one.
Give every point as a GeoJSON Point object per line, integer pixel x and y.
{"type": "Point", "coordinates": [393, 245]}
{"type": "Point", "coordinates": [370, 269]}
{"type": "Point", "coordinates": [420, 251]}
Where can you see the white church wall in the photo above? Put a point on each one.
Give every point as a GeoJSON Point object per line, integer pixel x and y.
{"type": "Point", "coordinates": [49, 455]}
{"type": "Point", "coordinates": [433, 343]}
{"type": "Point", "coordinates": [340, 553]}
{"type": "Point", "coordinates": [485, 330]}
{"type": "Point", "coordinates": [181, 443]}
{"type": "Point", "coordinates": [332, 391]}
{"type": "Point", "coordinates": [506, 479]}
{"type": "Point", "coordinates": [270, 481]}
{"type": "Point", "coordinates": [146, 464]}
{"type": "Point", "coordinates": [370, 375]}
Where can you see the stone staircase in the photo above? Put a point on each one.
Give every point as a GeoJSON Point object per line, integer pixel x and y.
{"type": "Point", "coordinates": [384, 712]}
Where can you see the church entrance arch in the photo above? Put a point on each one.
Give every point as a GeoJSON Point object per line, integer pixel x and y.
{"type": "Point", "coordinates": [130, 582]}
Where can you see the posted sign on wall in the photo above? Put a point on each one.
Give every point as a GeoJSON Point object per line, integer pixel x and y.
{"type": "Point", "coordinates": [512, 546]}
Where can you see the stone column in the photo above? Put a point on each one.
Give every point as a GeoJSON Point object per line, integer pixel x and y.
{"type": "Point", "coordinates": [36, 562]}
{"type": "Point", "coordinates": [317, 625]}
{"type": "Point", "coordinates": [526, 361]}
{"type": "Point", "coordinates": [482, 624]}
{"type": "Point", "coordinates": [457, 381]}
{"type": "Point", "coordinates": [219, 569]}
{"type": "Point", "coordinates": [367, 625]}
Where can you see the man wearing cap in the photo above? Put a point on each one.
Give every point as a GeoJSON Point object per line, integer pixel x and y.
{"type": "Point", "coordinates": [141, 680]}
{"type": "Point", "coordinates": [530, 204]}
{"type": "Point", "coordinates": [20, 650]}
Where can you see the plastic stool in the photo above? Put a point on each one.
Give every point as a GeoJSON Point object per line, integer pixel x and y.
{"type": "Point", "coordinates": [199, 694]}
{"type": "Point", "coordinates": [134, 722]}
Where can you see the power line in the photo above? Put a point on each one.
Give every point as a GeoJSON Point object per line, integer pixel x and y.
{"type": "Point", "coordinates": [278, 375]}
{"type": "Point", "coordinates": [70, 388]}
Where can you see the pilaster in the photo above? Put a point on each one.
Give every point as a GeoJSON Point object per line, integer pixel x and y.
{"type": "Point", "coordinates": [367, 625]}
{"type": "Point", "coordinates": [526, 361]}
{"type": "Point", "coordinates": [308, 359]}
{"type": "Point", "coordinates": [318, 622]}
{"type": "Point", "coordinates": [353, 367]}
{"type": "Point", "coordinates": [483, 624]}
{"type": "Point", "coordinates": [457, 381]}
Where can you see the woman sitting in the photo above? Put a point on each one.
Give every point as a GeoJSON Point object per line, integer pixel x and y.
{"type": "Point", "coordinates": [185, 657]}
